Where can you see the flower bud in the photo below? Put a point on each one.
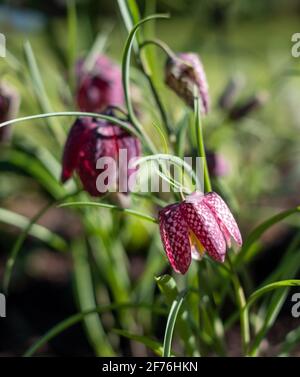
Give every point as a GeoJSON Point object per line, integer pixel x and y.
{"type": "Point", "coordinates": [100, 86]}
{"type": "Point", "coordinates": [182, 73]}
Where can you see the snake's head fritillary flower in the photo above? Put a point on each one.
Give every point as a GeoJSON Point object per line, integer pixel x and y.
{"type": "Point", "coordinates": [175, 237]}
{"type": "Point", "coordinates": [100, 86]}
{"type": "Point", "coordinates": [88, 141]}
{"type": "Point", "coordinates": [9, 106]}
{"type": "Point", "coordinates": [202, 222]}
{"type": "Point", "coordinates": [182, 73]}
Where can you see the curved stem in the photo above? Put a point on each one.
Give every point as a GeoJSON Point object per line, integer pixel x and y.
{"type": "Point", "coordinates": [162, 45]}
{"type": "Point", "coordinates": [111, 119]}
{"type": "Point", "coordinates": [155, 93]}
{"type": "Point", "coordinates": [128, 211]}
{"type": "Point", "coordinates": [126, 79]}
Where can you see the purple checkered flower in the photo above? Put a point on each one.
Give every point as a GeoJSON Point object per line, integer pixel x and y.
{"type": "Point", "coordinates": [201, 223]}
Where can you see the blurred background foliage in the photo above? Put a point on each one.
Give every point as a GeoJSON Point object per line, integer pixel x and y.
{"type": "Point", "coordinates": [247, 41]}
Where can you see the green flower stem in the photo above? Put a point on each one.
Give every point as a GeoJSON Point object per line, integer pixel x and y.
{"type": "Point", "coordinates": [111, 119]}
{"type": "Point", "coordinates": [126, 78]}
{"type": "Point", "coordinates": [200, 143]}
{"type": "Point", "coordinates": [243, 308]}
{"type": "Point", "coordinates": [162, 45]}
{"type": "Point", "coordinates": [155, 93]}
{"type": "Point", "coordinates": [158, 102]}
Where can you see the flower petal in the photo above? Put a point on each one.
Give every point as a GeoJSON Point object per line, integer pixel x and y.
{"type": "Point", "coordinates": [204, 225]}
{"type": "Point", "coordinates": [100, 86]}
{"type": "Point", "coordinates": [175, 238]}
{"type": "Point", "coordinates": [224, 217]}
{"type": "Point", "coordinates": [77, 137]}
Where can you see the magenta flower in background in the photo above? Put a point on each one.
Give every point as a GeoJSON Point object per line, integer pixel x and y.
{"type": "Point", "coordinates": [182, 73]}
{"type": "Point", "coordinates": [89, 140]}
{"type": "Point", "coordinates": [218, 166]}
{"type": "Point", "coordinates": [100, 86]}
{"type": "Point", "coordinates": [202, 222]}
{"type": "Point", "coordinates": [9, 107]}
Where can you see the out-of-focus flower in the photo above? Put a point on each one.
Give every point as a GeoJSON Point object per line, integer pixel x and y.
{"type": "Point", "coordinates": [202, 222]}
{"type": "Point", "coordinates": [9, 107]}
{"type": "Point", "coordinates": [231, 91]}
{"type": "Point", "coordinates": [100, 86]}
{"type": "Point", "coordinates": [250, 105]}
{"type": "Point", "coordinates": [89, 140]}
{"type": "Point", "coordinates": [182, 73]}
{"type": "Point", "coordinates": [218, 166]}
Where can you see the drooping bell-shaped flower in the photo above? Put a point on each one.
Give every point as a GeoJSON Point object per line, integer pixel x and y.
{"type": "Point", "coordinates": [9, 106]}
{"type": "Point", "coordinates": [182, 73]}
{"type": "Point", "coordinates": [99, 86]}
{"type": "Point", "coordinates": [91, 140]}
{"type": "Point", "coordinates": [202, 222]}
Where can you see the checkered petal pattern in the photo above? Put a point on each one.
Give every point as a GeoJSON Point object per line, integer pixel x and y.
{"type": "Point", "coordinates": [202, 222]}
{"type": "Point", "coordinates": [223, 216]}
{"type": "Point", "coordinates": [79, 134]}
{"type": "Point", "coordinates": [175, 237]}
{"type": "Point", "coordinates": [200, 218]}
{"type": "Point", "coordinates": [90, 139]}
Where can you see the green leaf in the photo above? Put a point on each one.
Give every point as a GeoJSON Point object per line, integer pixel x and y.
{"type": "Point", "coordinates": [181, 135]}
{"type": "Point", "coordinates": [154, 345]}
{"type": "Point", "coordinates": [76, 318]}
{"type": "Point", "coordinates": [72, 38]}
{"type": "Point", "coordinates": [87, 301]}
{"type": "Point", "coordinates": [291, 341]}
{"type": "Point", "coordinates": [29, 164]}
{"type": "Point", "coordinates": [273, 309]}
{"type": "Point", "coordinates": [112, 207]}
{"type": "Point", "coordinates": [37, 231]}
{"type": "Point", "coordinates": [257, 232]}
{"type": "Point", "coordinates": [169, 290]}
{"type": "Point", "coordinates": [40, 92]}
{"type": "Point", "coordinates": [22, 237]}
{"type": "Point", "coordinates": [270, 308]}
{"type": "Point", "coordinates": [176, 305]}
{"type": "Point", "coordinates": [97, 48]}
{"type": "Point", "coordinates": [270, 287]}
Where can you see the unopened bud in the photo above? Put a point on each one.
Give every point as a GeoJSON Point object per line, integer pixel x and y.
{"type": "Point", "coordinates": [183, 72]}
